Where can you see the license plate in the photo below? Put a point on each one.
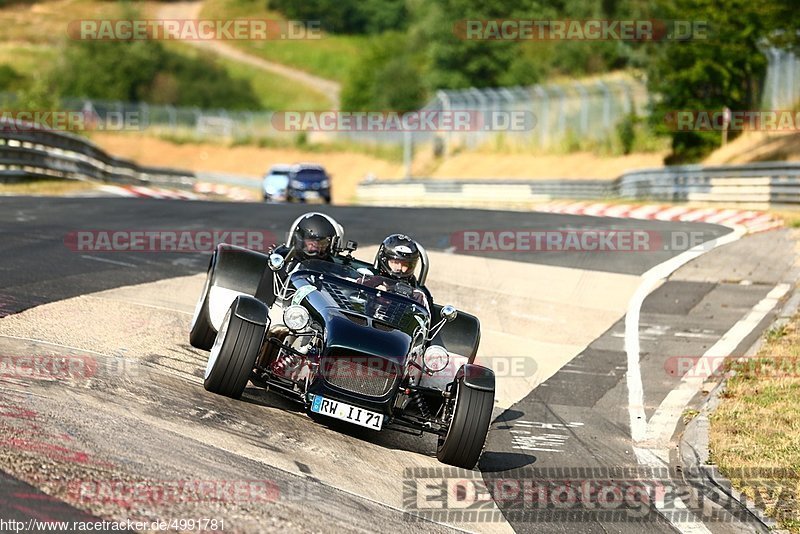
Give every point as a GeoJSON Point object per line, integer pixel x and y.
{"type": "Point", "coordinates": [347, 412]}
{"type": "Point", "coordinates": [310, 195]}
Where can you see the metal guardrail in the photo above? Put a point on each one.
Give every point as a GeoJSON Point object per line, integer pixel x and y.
{"type": "Point", "coordinates": [755, 183]}
{"type": "Point", "coordinates": [31, 152]}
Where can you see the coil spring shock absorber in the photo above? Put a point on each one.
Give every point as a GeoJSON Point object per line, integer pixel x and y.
{"type": "Point", "coordinates": [421, 404]}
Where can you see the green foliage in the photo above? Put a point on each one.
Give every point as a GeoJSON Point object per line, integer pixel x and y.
{"type": "Point", "coordinates": [135, 71]}
{"type": "Point", "coordinates": [387, 77]}
{"type": "Point", "coordinates": [726, 69]}
{"type": "Point", "coordinates": [626, 131]}
{"type": "Point", "coordinates": [347, 16]}
{"type": "Point", "coordinates": [10, 79]}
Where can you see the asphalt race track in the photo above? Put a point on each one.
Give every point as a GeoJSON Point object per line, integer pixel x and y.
{"type": "Point", "coordinates": [141, 415]}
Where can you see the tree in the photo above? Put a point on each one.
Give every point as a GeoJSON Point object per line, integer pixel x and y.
{"type": "Point", "coordinates": [726, 68]}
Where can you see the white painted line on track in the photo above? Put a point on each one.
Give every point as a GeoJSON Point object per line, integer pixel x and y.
{"type": "Point", "coordinates": [143, 304]}
{"type": "Point", "coordinates": [55, 344]}
{"type": "Point", "coordinates": [650, 281]}
{"type": "Point", "coordinates": [113, 262]}
{"type": "Point", "coordinates": [662, 424]}
{"type": "Point", "coordinates": [638, 419]}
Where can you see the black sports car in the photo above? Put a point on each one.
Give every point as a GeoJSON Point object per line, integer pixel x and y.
{"type": "Point", "coordinates": [330, 336]}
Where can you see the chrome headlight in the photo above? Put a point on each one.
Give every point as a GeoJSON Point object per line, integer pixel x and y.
{"type": "Point", "coordinates": [296, 317]}
{"type": "Point", "coordinates": [324, 184]}
{"type": "Point", "coordinates": [297, 184]}
{"type": "Point", "coordinates": [436, 358]}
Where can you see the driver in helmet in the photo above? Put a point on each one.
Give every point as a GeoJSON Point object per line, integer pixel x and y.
{"type": "Point", "coordinates": [315, 236]}
{"type": "Point", "coordinates": [397, 259]}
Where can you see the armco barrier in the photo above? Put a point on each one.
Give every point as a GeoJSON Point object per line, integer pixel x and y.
{"type": "Point", "coordinates": [29, 152]}
{"type": "Point", "coordinates": [751, 184]}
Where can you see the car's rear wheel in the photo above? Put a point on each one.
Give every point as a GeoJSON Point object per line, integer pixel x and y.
{"type": "Point", "coordinates": [233, 356]}
{"type": "Point", "coordinates": [464, 441]}
{"type": "Point", "coordinates": [201, 332]}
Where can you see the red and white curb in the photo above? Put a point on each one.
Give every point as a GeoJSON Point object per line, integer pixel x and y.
{"type": "Point", "coordinates": [228, 191]}
{"type": "Point", "coordinates": [751, 221]}
{"type": "Point", "coordinates": [139, 191]}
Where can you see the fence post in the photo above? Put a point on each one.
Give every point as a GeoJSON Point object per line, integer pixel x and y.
{"type": "Point", "coordinates": [584, 107]}
{"type": "Point", "coordinates": [544, 106]}
{"type": "Point", "coordinates": [445, 100]}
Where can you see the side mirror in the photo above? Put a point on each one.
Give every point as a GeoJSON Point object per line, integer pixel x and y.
{"type": "Point", "coordinates": [275, 262]}
{"type": "Point", "coordinates": [449, 313]}
{"type": "Point", "coordinates": [363, 271]}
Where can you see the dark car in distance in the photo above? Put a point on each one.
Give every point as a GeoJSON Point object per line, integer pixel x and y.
{"type": "Point", "coordinates": [308, 182]}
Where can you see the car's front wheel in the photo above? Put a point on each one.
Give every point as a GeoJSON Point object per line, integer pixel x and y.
{"type": "Point", "coordinates": [233, 356]}
{"type": "Point", "coordinates": [463, 443]}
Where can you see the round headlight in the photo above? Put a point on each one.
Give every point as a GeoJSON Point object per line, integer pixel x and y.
{"type": "Point", "coordinates": [296, 317]}
{"type": "Point", "coordinates": [436, 358]}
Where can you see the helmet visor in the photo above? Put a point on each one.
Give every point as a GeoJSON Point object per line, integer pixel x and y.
{"type": "Point", "coordinates": [316, 246]}
{"type": "Point", "coordinates": [400, 267]}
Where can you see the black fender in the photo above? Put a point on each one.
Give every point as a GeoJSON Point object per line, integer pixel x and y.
{"type": "Point", "coordinates": [476, 377]}
{"type": "Point", "coordinates": [237, 271]}
{"type": "Point", "coordinates": [462, 335]}
{"type": "Point", "coordinates": [240, 269]}
{"type": "Point", "coordinates": [252, 310]}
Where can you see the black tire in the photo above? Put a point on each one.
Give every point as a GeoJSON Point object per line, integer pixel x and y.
{"type": "Point", "coordinates": [233, 356]}
{"type": "Point", "coordinates": [463, 444]}
{"type": "Point", "coordinates": [201, 332]}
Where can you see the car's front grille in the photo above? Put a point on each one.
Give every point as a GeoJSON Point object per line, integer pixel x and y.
{"type": "Point", "coordinates": [370, 376]}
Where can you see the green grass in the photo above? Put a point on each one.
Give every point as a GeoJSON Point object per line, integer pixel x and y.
{"type": "Point", "coordinates": [28, 59]}
{"type": "Point", "coordinates": [273, 91]}
{"type": "Point", "coordinates": [330, 56]}
{"type": "Point", "coordinates": [757, 426]}
{"type": "Point", "coordinates": [46, 187]}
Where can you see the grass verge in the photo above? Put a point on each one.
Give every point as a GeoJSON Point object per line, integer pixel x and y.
{"type": "Point", "coordinates": [46, 187]}
{"type": "Point", "coordinates": [331, 56]}
{"type": "Point", "coordinates": [756, 427]}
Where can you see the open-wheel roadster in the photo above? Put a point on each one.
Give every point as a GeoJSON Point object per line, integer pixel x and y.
{"type": "Point", "coordinates": [330, 336]}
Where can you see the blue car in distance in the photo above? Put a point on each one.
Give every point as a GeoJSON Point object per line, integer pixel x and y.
{"type": "Point", "coordinates": [308, 182]}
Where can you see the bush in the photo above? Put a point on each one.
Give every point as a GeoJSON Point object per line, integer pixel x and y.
{"type": "Point", "coordinates": [9, 78]}
{"type": "Point", "coordinates": [385, 78]}
{"type": "Point", "coordinates": [144, 71]}
{"type": "Point", "coordinates": [347, 16]}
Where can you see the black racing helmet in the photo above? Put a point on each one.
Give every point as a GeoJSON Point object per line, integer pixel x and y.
{"type": "Point", "coordinates": [397, 257]}
{"type": "Point", "coordinates": [314, 237]}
